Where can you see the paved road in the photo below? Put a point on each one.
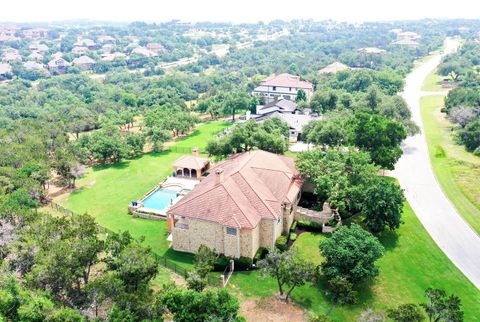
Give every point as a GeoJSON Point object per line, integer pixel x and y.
{"type": "Point", "coordinates": [414, 172]}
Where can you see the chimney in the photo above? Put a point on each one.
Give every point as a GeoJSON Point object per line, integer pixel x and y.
{"type": "Point", "coordinates": [218, 176]}
{"type": "Point", "coordinates": [195, 152]}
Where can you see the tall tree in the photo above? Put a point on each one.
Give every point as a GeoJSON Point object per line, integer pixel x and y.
{"type": "Point", "coordinates": [380, 137]}
{"type": "Point", "coordinates": [440, 307]}
{"type": "Point", "coordinates": [383, 205]}
{"type": "Point", "coordinates": [288, 269]}
{"type": "Point", "coordinates": [351, 252]}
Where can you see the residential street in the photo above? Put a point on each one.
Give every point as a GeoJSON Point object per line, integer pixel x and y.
{"type": "Point", "coordinates": [449, 230]}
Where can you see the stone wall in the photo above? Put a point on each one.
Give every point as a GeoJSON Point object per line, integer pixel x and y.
{"type": "Point", "coordinates": [199, 232]}
{"type": "Point", "coordinates": [231, 245]}
{"type": "Point", "coordinates": [214, 235]}
{"type": "Point", "coordinates": [249, 241]}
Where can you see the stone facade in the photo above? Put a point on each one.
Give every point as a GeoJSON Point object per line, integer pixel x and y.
{"type": "Point", "coordinates": [189, 233]}
{"type": "Point", "coordinates": [194, 232]}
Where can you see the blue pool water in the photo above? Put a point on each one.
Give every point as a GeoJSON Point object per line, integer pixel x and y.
{"type": "Point", "coordinates": [160, 199]}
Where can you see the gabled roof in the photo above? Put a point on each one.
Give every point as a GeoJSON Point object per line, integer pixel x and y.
{"type": "Point", "coordinates": [333, 68]}
{"type": "Point", "coordinates": [31, 65]}
{"type": "Point", "coordinates": [143, 51]}
{"type": "Point", "coordinates": [35, 55]}
{"type": "Point", "coordinates": [190, 162]}
{"type": "Point", "coordinates": [11, 57]}
{"type": "Point", "coordinates": [83, 60]}
{"type": "Point", "coordinates": [5, 69]}
{"type": "Point", "coordinates": [282, 105]}
{"type": "Point", "coordinates": [252, 186]}
{"type": "Point", "coordinates": [286, 80]}
{"type": "Point", "coordinates": [58, 62]}
{"type": "Point", "coordinates": [155, 46]}
{"type": "Point", "coordinates": [295, 121]}
{"type": "Point", "coordinates": [57, 55]}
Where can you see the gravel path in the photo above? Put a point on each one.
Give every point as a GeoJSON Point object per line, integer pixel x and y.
{"type": "Point", "coordinates": [415, 174]}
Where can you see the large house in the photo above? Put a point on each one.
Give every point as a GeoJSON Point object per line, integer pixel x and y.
{"type": "Point", "coordinates": [83, 62]}
{"type": "Point", "coordinates": [155, 47]}
{"type": "Point", "coordinates": [35, 33]}
{"type": "Point", "coordinates": [288, 112]}
{"type": "Point", "coordinates": [282, 86]}
{"type": "Point", "coordinates": [58, 65]}
{"type": "Point", "coordinates": [245, 203]}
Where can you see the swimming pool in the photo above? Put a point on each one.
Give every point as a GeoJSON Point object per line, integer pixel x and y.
{"type": "Point", "coordinates": [160, 199]}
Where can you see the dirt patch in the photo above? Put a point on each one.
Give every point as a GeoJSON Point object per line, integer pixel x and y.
{"type": "Point", "coordinates": [270, 310]}
{"type": "Point", "coordinates": [177, 279]}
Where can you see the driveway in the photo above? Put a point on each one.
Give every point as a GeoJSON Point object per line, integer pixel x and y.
{"type": "Point", "coordinates": [435, 211]}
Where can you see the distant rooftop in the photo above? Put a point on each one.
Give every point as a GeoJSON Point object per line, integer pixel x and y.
{"type": "Point", "coordinates": [286, 80]}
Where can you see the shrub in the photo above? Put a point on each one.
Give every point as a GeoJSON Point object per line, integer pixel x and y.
{"type": "Point", "coordinates": [293, 227]}
{"type": "Point", "coordinates": [293, 236]}
{"type": "Point", "coordinates": [221, 263]}
{"type": "Point", "coordinates": [243, 263]}
{"type": "Point", "coordinates": [260, 254]}
{"type": "Point", "coordinates": [309, 225]}
{"type": "Point", "coordinates": [477, 152]}
{"type": "Point", "coordinates": [281, 243]}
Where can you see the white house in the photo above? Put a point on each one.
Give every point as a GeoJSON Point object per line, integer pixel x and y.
{"type": "Point", "coordinates": [284, 86]}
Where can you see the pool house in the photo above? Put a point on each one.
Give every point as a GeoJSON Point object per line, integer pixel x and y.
{"type": "Point", "coordinates": [191, 166]}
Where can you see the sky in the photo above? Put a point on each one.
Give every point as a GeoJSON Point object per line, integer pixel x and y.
{"type": "Point", "coordinates": [234, 11]}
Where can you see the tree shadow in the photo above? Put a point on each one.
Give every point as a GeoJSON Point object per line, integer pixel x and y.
{"type": "Point", "coordinates": [117, 166]}
{"type": "Point", "coordinates": [179, 257]}
{"type": "Point", "coordinates": [389, 239]}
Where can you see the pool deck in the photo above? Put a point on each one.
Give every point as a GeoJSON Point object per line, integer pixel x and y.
{"type": "Point", "coordinates": [171, 183]}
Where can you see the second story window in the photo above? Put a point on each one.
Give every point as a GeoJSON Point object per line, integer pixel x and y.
{"type": "Point", "coordinates": [274, 88]}
{"type": "Point", "coordinates": [290, 89]}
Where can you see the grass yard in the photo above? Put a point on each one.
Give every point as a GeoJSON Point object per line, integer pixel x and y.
{"type": "Point", "coordinates": [412, 262]}
{"type": "Point", "coordinates": [202, 135]}
{"type": "Point", "coordinates": [106, 191]}
{"type": "Point", "coordinates": [433, 83]}
{"type": "Point", "coordinates": [457, 170]}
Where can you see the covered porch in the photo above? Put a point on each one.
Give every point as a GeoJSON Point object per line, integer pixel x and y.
{"type": "Point", "coordinates": [191, 166]}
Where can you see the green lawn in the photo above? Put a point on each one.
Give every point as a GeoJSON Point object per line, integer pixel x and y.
{"type": "Point", "coordinates": [433, 82]}
{"type": "Point", "coordinates": [201, 135]}
{"type": "Point", "coordinates": [457, 170]}
{"type": "Point", "coordinates": [106, 191]}
{"type": "Point", "coordinates": [412, 262]}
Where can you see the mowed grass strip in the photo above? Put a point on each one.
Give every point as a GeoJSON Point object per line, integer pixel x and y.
{"type": "Point", "coordinates": [106, 191]}
{"type": "Point", "coordinates": [412, 263]}
{"type": "Point", "coordinates": [433, 82]}
{"type": "Point", "coordinates": [457, 170]}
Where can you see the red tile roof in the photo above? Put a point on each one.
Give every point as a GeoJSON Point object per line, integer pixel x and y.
{"type": "Point", "coordinates": [286, 80]}
{"type": "Point", "coordinates": [252, 186]}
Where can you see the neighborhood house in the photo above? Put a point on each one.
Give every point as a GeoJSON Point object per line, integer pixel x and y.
{"type": "Point", "coordinates": [246, 202]}
{"type": "Point", "coordinates": [282, 86]}
{"type": "Point", "coordinates": [288, 112]}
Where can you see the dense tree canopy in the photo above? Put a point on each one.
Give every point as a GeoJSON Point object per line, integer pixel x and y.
{"type": "Point", "coordinates": [351, 252]}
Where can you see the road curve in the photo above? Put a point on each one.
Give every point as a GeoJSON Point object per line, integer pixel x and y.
{"type": "Point", "coordinates": [414, 171]}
